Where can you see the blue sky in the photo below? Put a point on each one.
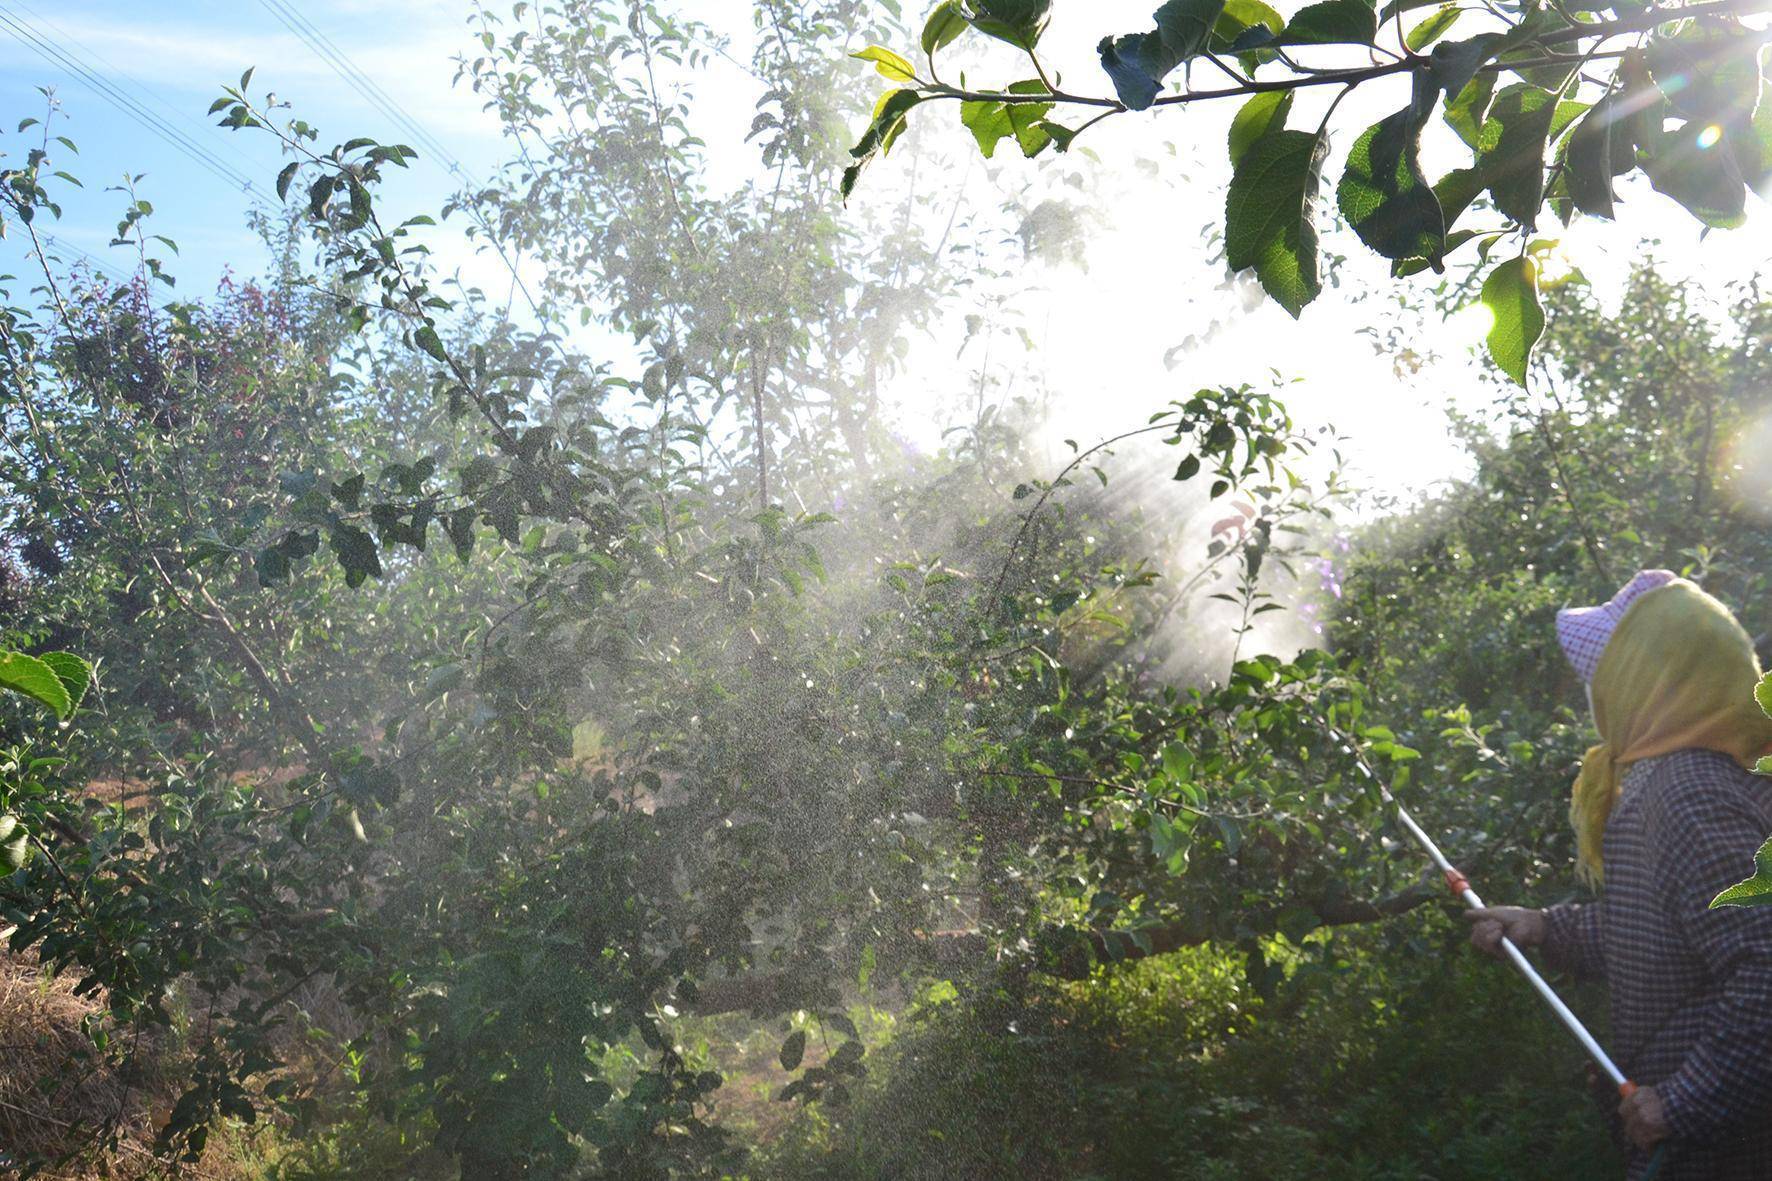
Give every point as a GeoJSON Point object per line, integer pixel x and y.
{"type": "Point", "coordinates": [172, 59]}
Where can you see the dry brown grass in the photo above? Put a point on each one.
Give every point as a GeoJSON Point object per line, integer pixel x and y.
{"type": "Point", "coordinates": [54, 1091]}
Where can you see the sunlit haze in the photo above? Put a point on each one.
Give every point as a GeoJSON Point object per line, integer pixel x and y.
{"type": "Point", "coordinates": [1151, 317]}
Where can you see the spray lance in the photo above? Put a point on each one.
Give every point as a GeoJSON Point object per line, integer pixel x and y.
{"type": "Point", "coordinates": [1461, 888]}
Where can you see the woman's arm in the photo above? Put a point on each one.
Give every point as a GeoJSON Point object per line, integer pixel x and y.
{"type": "Point", "coordinates": [1703, 832]}
{"type": "Point", "coordinates": [1572, 939]}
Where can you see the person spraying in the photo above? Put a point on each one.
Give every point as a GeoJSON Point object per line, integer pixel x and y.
{"type": "Point", "coordinates": [1667, 814]}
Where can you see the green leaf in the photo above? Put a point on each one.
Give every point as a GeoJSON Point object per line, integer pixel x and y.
{"type": "Point", "coordinates": [1710, 74]}
{"type": "Point", "coordinates": [989, 124]}
{"type": "Point", "coordinates": [1556, 193]}
{"type": "Point", "coordinates": [1591, 156]}
{"type": "Point", "coordinates": [1242, 17]}
{"type": "Point", "coordinates": [1263, 113]}
{"type": "Point", "coordinates": [1510, 150]}
{"type": "Point", "coordinates": [1019, 22]}
{"type": "Point", "coordinates": [285, 177]}
{"type": "Point", "coordinates": [1763, 694]}
{"type": "Point", "coordinates": [887, 123]}
{"type": "Point", "coordinates": [30, 677]}
{"type": "Point", "coordinates": [1511, 295]}
{"type": "Point", "coordinates": [1332, 22]}
{"type": "Point", "coordinates": [503, 511]}
{"type": "Point", "coordinates": [793, 1050]}
{"type": "Point", "coordinates": [1437, 25]}
{"type": "Point", "coordinates": [1456, 67]}
{"type": "Point", "coordinates": [1456, 190]}
{"type": "Point", "coordinates": [1138, 62]}
{"type": "Point", "coordinates": [1404, 267]}
{"type": "Point", "coordinates": [272, 565]}
{"type": "Point", "coordinates": [535, 442]}
{"type": "Point", "coordinates": [1466, 110]}
{"type": "Point", "coordinates": [426, 338]}
{"type": "Point", "coordinates": [1398, 7]}
{"type": "Point", "coordinates": [1027, 120]}
{"type": "Point", "coordinates": [74, 673]}
{"type": "Point", "coordinates": [1752, 144]}
{"type": "Point", "coordinates": [945, 24]}
{"type": "Point", "coordinates": [320, 195]}
{"type": "Point", "coordinates": [300, 544]}
{"type": "Point", "coordinates": [1190, 467]}
{"type": "Point", "coordinates": [460, 527]}
{"type": "Point", "coordinates": [890, 64]}
{"type": "Point", "coordinates": [1757, 890]}
{"type": "Point", "coordinates": [393, 527]}
{"type": "Point", "coordinates": [1270, 216]}
{"type": "Point", "coordinates": [1385, 197]}
{"type": "Point", "coordinates": [15, 844]}
{"type": "Point", "coordinates": [1690, 165]}
{"type": "Point", "coordinates": [361, 207]}
{"type": "Point", "coordinates": [350, 492]}
{"type": "Point", "coordinates": [1567, 112]}
{"type": "Point", "coordinates": [357, 554]}
{"type": "Point", "coordinates": [478, 473]}
{"type": "Point", "coordinates": [1060, 135]}
{"type": "Point", "coordinates": [1185, 26]}
{"type": "Point", "coordinates": [1645, 107]}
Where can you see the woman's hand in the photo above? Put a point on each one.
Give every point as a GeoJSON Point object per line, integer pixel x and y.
{"type": "Point", "coordinates": [1645, 1118]}
{"type": "Point", "coordinates": [1526, 928]}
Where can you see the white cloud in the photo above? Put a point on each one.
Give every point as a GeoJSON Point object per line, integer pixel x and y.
{"type": "Point", "coordinates": [184, 64]}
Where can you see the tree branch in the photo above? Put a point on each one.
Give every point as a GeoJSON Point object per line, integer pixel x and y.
{"type": "Point", "coordinates": [1066, 953]}
{"type": "Point", "coordinates": [1634, 23]}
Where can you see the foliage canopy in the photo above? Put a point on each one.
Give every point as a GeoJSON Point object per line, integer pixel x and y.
{"type": "Point", "coordinates": [473, 722]}
{"type": "Point", "coordinates": [1554, 106]}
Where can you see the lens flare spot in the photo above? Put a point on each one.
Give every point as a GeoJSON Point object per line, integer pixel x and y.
{"type": "Point", "coordinates": [1740, 473]}
{"type": "Point", "coordinates": [1475, 318]}
{"type": "Point", "coordinates": [1710, 137]}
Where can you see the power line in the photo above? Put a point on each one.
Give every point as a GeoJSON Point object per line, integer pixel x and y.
{"type": "Point", "coordinates": [49, 247]}
{"type": "Point", "coordinates": [366, 86]}
{"type": "Point", "coordinates": [71, 60]}
{"type": "Point", "coordinates": [47, 48]}
{"type": "Point", "coordinates": [115, 273]}
{"type": "Point", "coordinates": [143, 92]}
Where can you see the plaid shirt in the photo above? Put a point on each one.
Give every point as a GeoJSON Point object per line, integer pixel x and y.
{"type": "Point", "coordinates": [1690, 988]}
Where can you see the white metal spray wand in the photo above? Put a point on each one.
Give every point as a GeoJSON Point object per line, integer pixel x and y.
{"type": "Point", "coordinates": [1461, 887]}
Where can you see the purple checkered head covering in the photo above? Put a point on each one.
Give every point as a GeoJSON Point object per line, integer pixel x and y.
{"type": "Point", "coordinates": [1584, 631]}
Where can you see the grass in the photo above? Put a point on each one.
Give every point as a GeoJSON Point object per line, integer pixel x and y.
{"type": "Point", "coordinates": [1389, 1055]}
{"type": "Point", "coordinates": [54, 1091]}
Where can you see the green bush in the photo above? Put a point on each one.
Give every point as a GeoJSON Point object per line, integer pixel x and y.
{"type": "Point", "coordinates": [1390, 1055]}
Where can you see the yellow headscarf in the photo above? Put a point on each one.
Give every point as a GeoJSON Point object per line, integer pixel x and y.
{"type": "Point", "coordinates": [1678, 673]}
